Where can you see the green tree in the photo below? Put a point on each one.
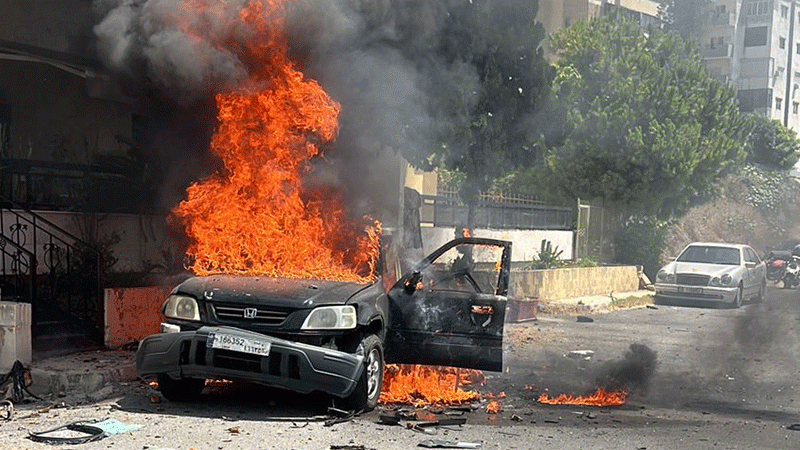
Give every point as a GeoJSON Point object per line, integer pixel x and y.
{"type": "Point", "coordinates": [771, 144]}
{"type": "Point", "coordinates": [502, 127]}
{"type": "Point", "coordinates": [649, 129]}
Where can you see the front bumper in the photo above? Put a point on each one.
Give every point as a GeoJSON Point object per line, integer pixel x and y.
{"type": "Point", "coordinates": [290, 365]}
{"type": "Point", "coordinates": [696, 293]}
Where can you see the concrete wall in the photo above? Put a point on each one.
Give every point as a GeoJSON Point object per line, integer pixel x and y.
{"type": "Point", "coordinates": [15, 335]}
{"type": "Point", "coordinates": [132, 314]}
{"type": "Point", "coordinates": [525, 247]}
{"type": "Point", "coordinates": [555, 284]}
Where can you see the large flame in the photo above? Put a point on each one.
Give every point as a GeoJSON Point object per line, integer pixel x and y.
{"type": "Point", "coordinates": [428, 385]}
{"type": "Point", "coordinates": [600, 397]}
{"type": "Point", "coordinates": [254, 217]}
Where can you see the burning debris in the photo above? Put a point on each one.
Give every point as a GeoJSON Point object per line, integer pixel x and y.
{"type": "Point", "coordinates": [615, 380]}
{"type": "Point", "coordinates": [429, 385]}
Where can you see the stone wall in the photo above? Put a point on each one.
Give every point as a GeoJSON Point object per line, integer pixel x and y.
{"type": "Point", "coordinates": [556, 284]}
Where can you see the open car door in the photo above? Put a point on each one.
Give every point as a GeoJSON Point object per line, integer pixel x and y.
{"type": "Point", "coordinates": [450, 308]}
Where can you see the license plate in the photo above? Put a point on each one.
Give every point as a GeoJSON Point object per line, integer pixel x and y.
{"type": "Point", "coordinates": [238, 344]}
{"type": "Point", "coordinates": [691, 290]}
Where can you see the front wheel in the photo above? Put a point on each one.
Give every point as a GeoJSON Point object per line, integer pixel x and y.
{"type": "Point", "coordinates": [737, 301]}
{"type": "Point", "coordinates": [368, 387]}
{"type": "Point", "coordinates": [181, 390]}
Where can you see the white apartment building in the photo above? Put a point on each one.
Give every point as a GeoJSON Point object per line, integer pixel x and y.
{"type": "Point", "coordinates": [754, 45]}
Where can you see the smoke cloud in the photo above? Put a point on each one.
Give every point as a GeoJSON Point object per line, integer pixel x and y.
{"type": "Point", "coordinates": [632, 373]}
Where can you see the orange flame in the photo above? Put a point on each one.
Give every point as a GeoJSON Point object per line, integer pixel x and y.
{"type": "Point", "coordinates": [428, 385]}
{"type": "Point", "coordinates": [254, 217]}
{"type": "Point", "coordinates": [493, 407]}
{"type": "Point", "coordinates": [600, 397]}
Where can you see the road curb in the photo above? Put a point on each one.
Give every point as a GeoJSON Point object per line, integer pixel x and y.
{"type": "Point", "coordinates": [72, 375]}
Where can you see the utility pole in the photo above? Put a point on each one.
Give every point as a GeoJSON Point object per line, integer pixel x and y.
{"type": "Point", "coordinates": [789, 72]}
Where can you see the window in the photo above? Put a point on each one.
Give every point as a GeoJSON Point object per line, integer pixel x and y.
{"type": "Point", "coordinates": [782, 42]}
{"type": "Point", "coordinates": [795, 106]}
{"type": "Point", "coordinates": [5, 130]}
{"type": "Point", "coordinates": [778, 103]}
{"type": "Point", "coordinates": [755, 37]}
{"type": "Point", "coordinates": [797, 48]}
{"type": "Point", "coordinates": [784, 11]}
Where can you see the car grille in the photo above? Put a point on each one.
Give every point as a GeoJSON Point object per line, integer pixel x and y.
{"type": "Point", "coordinates": [692, 280]}
{"type": "Point", "coordinates": [236, 314]}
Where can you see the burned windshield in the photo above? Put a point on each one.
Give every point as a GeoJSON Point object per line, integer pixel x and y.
{"type": "Point", "coordinates": [465, 268]}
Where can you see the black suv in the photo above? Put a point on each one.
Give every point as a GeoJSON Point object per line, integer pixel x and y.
{"type": "Point", "coordinates": [329, 336]}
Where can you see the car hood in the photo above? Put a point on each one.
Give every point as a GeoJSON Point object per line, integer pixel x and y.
{"type": "Point", "coordinates": [700, 268]}
{"type": "Point", "coordinates": [284, 292]}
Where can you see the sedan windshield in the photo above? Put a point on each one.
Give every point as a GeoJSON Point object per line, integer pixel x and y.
{"type": "Point", "coordinates": [710, 255]}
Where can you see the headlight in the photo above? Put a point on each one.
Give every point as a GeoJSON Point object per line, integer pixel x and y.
{"type": "Point", "coordinates": [181, 307]}
{"type": "Point", "coordinates": [724, 280]}
{"type": "Point", "coordinates": [331, 318]}
{"type": "Point", "coordinates": [665, 277]}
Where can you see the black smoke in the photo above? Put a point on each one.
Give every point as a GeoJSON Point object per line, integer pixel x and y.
{"type": "Point", "coordinates": [633, 373]}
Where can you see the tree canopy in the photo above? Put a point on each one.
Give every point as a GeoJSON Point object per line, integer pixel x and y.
{"type": "Point", "coordinates": [649, 129]}
{"type": "Point", "coordinates": [771, 144]}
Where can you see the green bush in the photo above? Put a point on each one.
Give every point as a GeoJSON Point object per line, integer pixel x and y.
{"type": "Point", "coordinates": [639, 241]}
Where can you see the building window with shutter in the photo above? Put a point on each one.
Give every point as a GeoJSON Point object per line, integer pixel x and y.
{"type": "Point", "coordinates": [782, 42]}
{"type": "Point", "coordinates": [784, 11]}
{"type": "Point", "coordinates": [778, 103]}
{"type": "Point", "coordinates": [795, 105]}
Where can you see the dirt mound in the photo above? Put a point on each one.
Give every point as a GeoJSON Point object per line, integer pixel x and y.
{"type": "Point", "coordinates": [755, 207]}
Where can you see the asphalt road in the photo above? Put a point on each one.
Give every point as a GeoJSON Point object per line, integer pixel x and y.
{"type": "Point", "coordinates": [698, 378]}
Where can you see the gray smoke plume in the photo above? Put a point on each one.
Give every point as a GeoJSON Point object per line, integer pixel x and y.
{"type": "Point", "coordinates": [170, 46]}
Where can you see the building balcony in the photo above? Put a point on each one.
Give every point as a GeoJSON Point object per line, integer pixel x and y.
{"type": "Point", "coordinates": [762, 18]}
{"type": "Point", "coordinates": [717, 51]}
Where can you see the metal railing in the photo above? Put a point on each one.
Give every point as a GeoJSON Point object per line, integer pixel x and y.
{"type": "Point", "coordinates": [448, 211]}
{"type": "Point", "coordinates": [65, 273]}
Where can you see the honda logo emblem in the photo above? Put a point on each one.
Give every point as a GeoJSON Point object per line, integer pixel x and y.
{"type": "Point", "coordinates": [250, 313]}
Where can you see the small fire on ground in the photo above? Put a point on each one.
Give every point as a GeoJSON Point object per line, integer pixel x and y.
{"type": "Point", "coordinates": [600, 397]}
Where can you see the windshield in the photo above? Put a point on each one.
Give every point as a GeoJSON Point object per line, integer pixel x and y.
{"type": "Point", "coordinates": [710, 255]}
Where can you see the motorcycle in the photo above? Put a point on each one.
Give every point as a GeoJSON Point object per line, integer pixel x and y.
{"type": "Point", "coordinates": [783, 266]}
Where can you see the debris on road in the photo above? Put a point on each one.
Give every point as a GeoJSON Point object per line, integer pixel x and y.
{"type": "Point", "coordinates": [435, 443]}
{"type": "Point", "coordinates": [585, 319]}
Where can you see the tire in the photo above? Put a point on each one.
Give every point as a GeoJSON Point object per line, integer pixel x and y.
{"type": "Point", "coordinates": [182, 390]}
{"type": "Point", "coordinates": [761, 291]}
{"type": "Point", "coordinates": [787, 281]}
{"type": "Point", "coordinates": [737, 301]}
{"type": "Point", "coordinates": [368, 387]}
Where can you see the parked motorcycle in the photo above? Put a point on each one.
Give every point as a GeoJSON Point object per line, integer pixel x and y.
{"type": "Point", "coordinates": [784, 266]}
{"type": "Point", "coordinates": [777, 263]}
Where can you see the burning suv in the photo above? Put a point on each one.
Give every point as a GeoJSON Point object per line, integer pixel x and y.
{"type": "Point", "coordinates": [331, 336]}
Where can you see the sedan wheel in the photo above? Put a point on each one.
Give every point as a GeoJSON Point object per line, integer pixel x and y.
{"type": "Point", "coordinates": [737, 302]}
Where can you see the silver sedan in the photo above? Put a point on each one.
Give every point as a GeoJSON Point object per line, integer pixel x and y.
{"type": "Point", "coordinates": [713, 272]}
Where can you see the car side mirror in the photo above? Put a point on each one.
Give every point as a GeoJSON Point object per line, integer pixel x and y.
{"type": "Point", "coordinates": [412, 282]}
{"type": "Point", "coordinates": [749, 264]}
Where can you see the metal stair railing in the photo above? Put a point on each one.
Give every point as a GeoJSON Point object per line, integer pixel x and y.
{"type": "Point", "coordinates": [70, 276]}
{"type": "Point", "coordinates": [19, 275]}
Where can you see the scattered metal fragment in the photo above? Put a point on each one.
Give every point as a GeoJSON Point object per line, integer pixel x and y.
{"type": "Point", "coordinates": [349, 447]}
{"type": "Point", "coordinates": [7, 409]}
{"type": "Point", "coordinates": [436, 443]}
{"type": "Point", "coordinates": [90, 434]}
{"type": "Point", "coordinates": [794, 427]}
{"type": "Point", "coordinates": [585, 319]}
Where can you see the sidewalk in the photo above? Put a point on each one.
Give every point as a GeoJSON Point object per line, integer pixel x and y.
{"type": "Point", "coordinates": [88, 374]}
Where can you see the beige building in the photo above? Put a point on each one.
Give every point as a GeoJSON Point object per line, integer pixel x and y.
{"type": "Point", "coordinates": [754, 46]}
{"type": "Point", "coordinates": [558, 14]}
